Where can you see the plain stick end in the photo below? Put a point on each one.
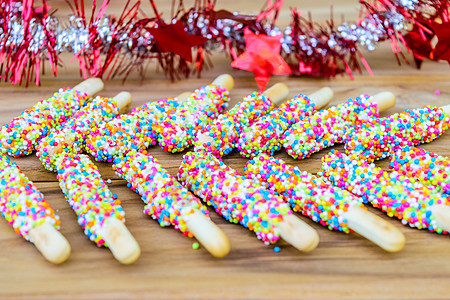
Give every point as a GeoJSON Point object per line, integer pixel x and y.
{"type": "Point", "coordinates": [321, 97]}
{"type": "Point", "coordinates": [441, 213]}
{"type": "Point", "coordinates": [375, 229]}
{"type": "Point", "coordinates": [277, 93]}
{"type": "Point", "coordinates": [384, 100]}
{"type": "Point", "coordinates": [51, 243]}
{"type": "Point", "coordinates": [224, 81]}
{"type": "Point", "coordinates": [123, 100]}
{"type": "Point", "coordinates": [208, 234]}
{"type": "Point", "coordinates": [90, 86]}
{"type": "Point", "coordinates": [183, 96]}
{"type": "Point", "coordinates": [298, 233]}
{"type": "Point", "coordinates": [120, 241]}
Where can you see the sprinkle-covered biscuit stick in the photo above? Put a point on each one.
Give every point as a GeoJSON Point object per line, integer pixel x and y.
{"type": "Point", "coordinates": [24, 207]}
{"type": "Point", "coordinates": [415, 204]}
{"type": "Point", "coordinates": [318, 199]}
{"type": "Point", "coordinates": [98, 210]}
{"type": "Point", "coordinates": [169, 202]}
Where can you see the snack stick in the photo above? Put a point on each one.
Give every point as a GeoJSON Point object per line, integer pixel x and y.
{"type": "Point", "coordinates": [24, 207]}
{"type": "Point", "coordinates": [428, 167]}
{"type": "Point", "coordinates": [24, 132]}
{"type": "Point", "coordinates": [239, 200]}
{"type": "Point", "coordinates": [324, 203]}
{"type": "Point", "coordinates": [220, 137]}
{"type": "Point", "coordinates": [412, 202]}
{"type": "Point", "coordinates": [169, 202]}
{"type": "Point", "coordinates": [98, 210]}
{"type": "Point", "coordinates": [330, 126]}
{"type": "Point", "coordinates": [381, 137]}
{"type": "Point", "coordinates": [71, 136]}
{"type": "Point", "coordinates": [133, 131]}
{"type": "Point", "coordinates": [178, 130]}
{"type": "Point", "coordinates": [264, 136]}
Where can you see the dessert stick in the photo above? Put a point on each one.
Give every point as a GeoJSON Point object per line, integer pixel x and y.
{"type": "Point", "coordinates": [220, 137]}
{"type": "Point", "coordinates": [324, 203]}
{"type": "Point", "coordinates": [23, 133]}
{"type": "Point", "coordinates": [71, 136]}
{"type": "Point", "coordinates": [381, 137]}
{"type": "Point", "coordinates": [98, 210]}
{"type": "Point", "coordinates": [24, 207]}
{"type": "Point", "coordinates": [178, 130]}
{"type": "Point", "coordinates": [239, 200]}
{"type": "Point", "coordinates": [428, 167]}
{"type": "Point", "coordinates": [264, 135]}
{"type": "Point", "coordinates": [169, 202]}
{"type": "Point", "coordinates": [330, 126]}
{"type": "Point", "coordinates": [412, 202]}
{"type": "Point", "coordinates": [133, 131]}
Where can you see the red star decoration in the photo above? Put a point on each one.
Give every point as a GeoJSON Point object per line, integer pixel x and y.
{"type": "Point", "coordinates": [262, 57]}
{"type": "Point", "coordinates": [441, 50]}
{"type": "Point", "coordinates": [173, 38]}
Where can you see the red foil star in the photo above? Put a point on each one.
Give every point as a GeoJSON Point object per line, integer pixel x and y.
{"type": "Point", "coordinates": [262, 57]}
{"type": "Point", "coordinates": [173, 38]}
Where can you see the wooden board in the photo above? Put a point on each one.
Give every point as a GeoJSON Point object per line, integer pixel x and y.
{"type": "Point", "coordinates": [343, 266]}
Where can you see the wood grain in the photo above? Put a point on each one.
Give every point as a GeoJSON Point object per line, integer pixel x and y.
{"type": "Point", "coordinates": [343, 266]}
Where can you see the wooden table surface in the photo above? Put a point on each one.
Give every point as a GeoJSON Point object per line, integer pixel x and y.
{"type": "Point", "coordinates": [342, 266]}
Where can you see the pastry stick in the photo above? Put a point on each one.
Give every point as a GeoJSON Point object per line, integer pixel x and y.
{"type": "Point", "coordinates": [324, 203]}
{"type": "Point", "coordinates": [415, 204]}
{"type": "Point", "coordinates": [239, 200]}
{"type": "Point", "coordinates": [330, 126]}
{"type": "Point", "coordinates": [24, 132]}
{"type": "Point", "coordinates": [24, 207]}
{"type": "Point", "coordinates": [169, 202]}
{"type": "Point", "coordinates": [98, 210]}
{"type": "Point", "coordinates": [264, 136]}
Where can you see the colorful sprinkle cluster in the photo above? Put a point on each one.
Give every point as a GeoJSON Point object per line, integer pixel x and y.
{"type": "Point", "coordinates": [166, 199]}
{"type": "Point", "coordinates": [133, 131]}
{"type": "Point", "coordinates": [328, 126]}
{"type": "Point", "coordinates": [71, 136]}
{"type": "Point", "coordinates": [310, 195]}
{"type": "Point", "coordinates": [394, 193]}
{"type": "Point", "coordinates": [265, 134]}
{"type": "Point", "coordinates": [24, 132]}
{"type": "Point", "coordinates": [236, 198]}
{"type": "Point", "coordinates": [21, 203]}
{"type": "Point", "coordinates": [178, 130]}
{"type": "Point", "coordinates": [220, 137]}
{"type": "Point", "coordinates": [383, 136]}
{"type": "Point", "coordinates": [428, 167]}
{"type": "Point", "coordinates": [87, 194]}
